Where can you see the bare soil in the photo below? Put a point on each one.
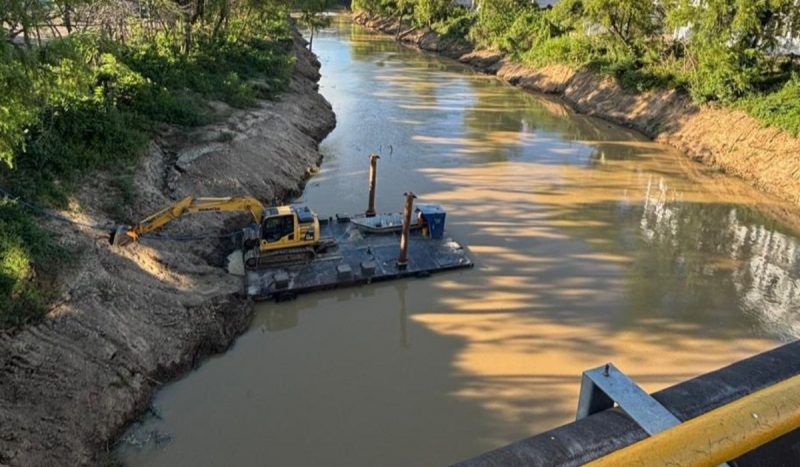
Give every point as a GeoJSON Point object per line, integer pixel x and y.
{"type": "Point", "coordinates": [131, 319]}
{"type": "Point", "coordinates": [725, 138]}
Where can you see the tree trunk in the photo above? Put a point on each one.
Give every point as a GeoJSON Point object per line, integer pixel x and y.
{"type": "Point", "coordinates": [223, 18]}
{"type": "Point", "coordinates": [187, 37]}
{"type": "Point", "coordinates": [26, 35]}
{"type": "Point", "coordinates": [68, 18]}
{"type": "Point", "coordinates": [199, 8]}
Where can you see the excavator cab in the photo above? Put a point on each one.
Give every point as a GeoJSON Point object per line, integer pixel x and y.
{"type": "Point", "coordinates": [277, 227]}
{"type": "Point", "coordinates": [288, 235]}
{"type": "Point", "coordinates": [288, 226]}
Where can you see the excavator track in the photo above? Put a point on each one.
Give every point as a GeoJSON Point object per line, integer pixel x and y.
{"type": "Point", "coordinates": [286, 257]}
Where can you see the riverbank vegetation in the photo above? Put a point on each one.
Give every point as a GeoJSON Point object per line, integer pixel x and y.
{"type": "Point", "coordinates": [87, 83]}
{"type": "Point", "coordinates": [730, 52]}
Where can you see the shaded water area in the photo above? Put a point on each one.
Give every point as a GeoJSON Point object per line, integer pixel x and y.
{"type": "Point", "coordinates": [591, 245]}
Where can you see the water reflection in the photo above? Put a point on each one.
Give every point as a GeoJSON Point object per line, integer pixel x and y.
{"type": "Point", "coordinates": [591, 245]}
{"type": "Point", "coordinates": [402, 290]}
{"type": "Point", "coordinates": [278, 319]}
{"type": "Point", "coordinates": [762, 265]}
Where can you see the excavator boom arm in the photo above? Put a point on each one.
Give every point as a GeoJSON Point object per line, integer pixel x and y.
{"type": "Point", "coordinates": [191, 204]}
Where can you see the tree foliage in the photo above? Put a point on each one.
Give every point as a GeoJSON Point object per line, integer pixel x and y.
{"type": "Point", "coordinates": [730, 46]}
{"type": "Point", "coordinates": [632, 22]}
{"type": "Point", "coordinates": [312, 15]}
{"type": "Point", "coordinates": [427, 12]}
{"type": "Point", "coordinates": [495, 17]}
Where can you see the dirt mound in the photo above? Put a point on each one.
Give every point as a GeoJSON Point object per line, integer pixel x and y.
{"type": "Point", "coordinates": [130, 319]}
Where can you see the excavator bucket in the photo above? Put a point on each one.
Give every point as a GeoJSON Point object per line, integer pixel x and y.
{"type": "Point", "coordinates": [120, 237]}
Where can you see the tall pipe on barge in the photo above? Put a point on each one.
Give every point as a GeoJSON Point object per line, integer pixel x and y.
{"type": "Point", "coordinates": [373, 181]}
{"type": "Point", "coordinates": [402, 260]}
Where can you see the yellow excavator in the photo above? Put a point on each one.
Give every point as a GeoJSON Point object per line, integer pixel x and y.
{"type": "Point", "coordinates": [281, 235]}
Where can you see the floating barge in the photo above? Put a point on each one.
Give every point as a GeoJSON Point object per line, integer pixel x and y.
{"type": "Point", "coordinates": [359, 257]}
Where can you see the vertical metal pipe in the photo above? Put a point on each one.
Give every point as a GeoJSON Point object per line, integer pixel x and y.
{"type": "Point", "coordinates": [373, 180]}
{"type": "Point", "coordinates": [402, 261]}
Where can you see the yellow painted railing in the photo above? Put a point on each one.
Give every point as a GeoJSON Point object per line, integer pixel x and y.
{"type": "Point", "coordinates": [720, 435]}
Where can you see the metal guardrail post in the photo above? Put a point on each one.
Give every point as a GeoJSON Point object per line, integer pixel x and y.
{"type": "Point", "coordinates": [603, 386]}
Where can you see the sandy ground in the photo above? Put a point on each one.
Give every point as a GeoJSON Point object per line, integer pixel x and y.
{"type": "Point", "coordinates": [727, 139]}
{"type": "Point", "coordinates": [129, 320]}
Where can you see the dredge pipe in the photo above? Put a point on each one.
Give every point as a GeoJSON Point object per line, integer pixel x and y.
{"type": "Point", "coordinates": [373, 181]}
{"type": "Point", "coordinates": [402, 261]}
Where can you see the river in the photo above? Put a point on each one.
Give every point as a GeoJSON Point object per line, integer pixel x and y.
{"type": "Point", "coordinates": [591, 243]}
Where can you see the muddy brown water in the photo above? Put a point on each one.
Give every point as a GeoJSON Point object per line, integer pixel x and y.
{"type": "Point", "coordinates": [592, 245]}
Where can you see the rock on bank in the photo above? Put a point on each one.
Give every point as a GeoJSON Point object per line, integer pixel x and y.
{"type": "Point", "coordinates": [129, 320]}
{"type": "Point", "coordinates": [722, 137]}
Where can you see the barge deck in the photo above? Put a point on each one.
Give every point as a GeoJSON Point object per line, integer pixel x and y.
{"type": "Point", "coordinates": [357, 258]}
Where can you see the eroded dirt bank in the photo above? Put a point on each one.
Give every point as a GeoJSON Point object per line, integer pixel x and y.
{"type": "Point", "coordinates": [724, 138]}
{"type": "Point", "coordinates": [129, 320]}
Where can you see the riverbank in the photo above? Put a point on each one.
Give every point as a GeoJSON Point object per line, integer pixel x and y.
{"type": "Point", "coordinates": [129, 320]}
{"type": "Point", "coordinates": [725, 138]}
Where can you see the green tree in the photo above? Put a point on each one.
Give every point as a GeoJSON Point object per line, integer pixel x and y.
{"type": "Point", "coordinates": [427, 12]}
{"type": "Point", "coordinates": [23, 17]}
{"type": "Point", "coordinates": [17, 101]}
{"type": "Point", "coordinates": [312, 15]}
{"type": "Point", "coordinates": [495, 17]}
{"type": "Point", "coordinates": [730, 43]}
{"type": "Point", "coordinates": [405, 7]}
{"type": "Point", "coordinates": [632, 22]}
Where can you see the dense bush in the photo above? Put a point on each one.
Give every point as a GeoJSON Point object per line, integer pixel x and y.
{"type": "Point", "coordinates": [493, 21]}
{"type": "Point", "coordinates": [569, 50]}
{"type": "Point", "coordinates": [632, 75]}
{"type": "Point", "coordinates": [780, 108]}
{"type": "Point", "coordinates": [719, 75]}
{"type": "Point", "coordinates": [457, 25]}
{"type": "Point", "coordinates": [528, 31]}
{"type": "Point", "coordinates": [729, 50]}
{"type": "Point", "coordinates": [17, 109]}
{"type": "Point", "coordinates": [427, 12]}
{"type": "Point", "coordinates": [26, 251]}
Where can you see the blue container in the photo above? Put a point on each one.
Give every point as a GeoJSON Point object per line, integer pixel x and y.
{"type": "Point", "coordinates": [434, 217]}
